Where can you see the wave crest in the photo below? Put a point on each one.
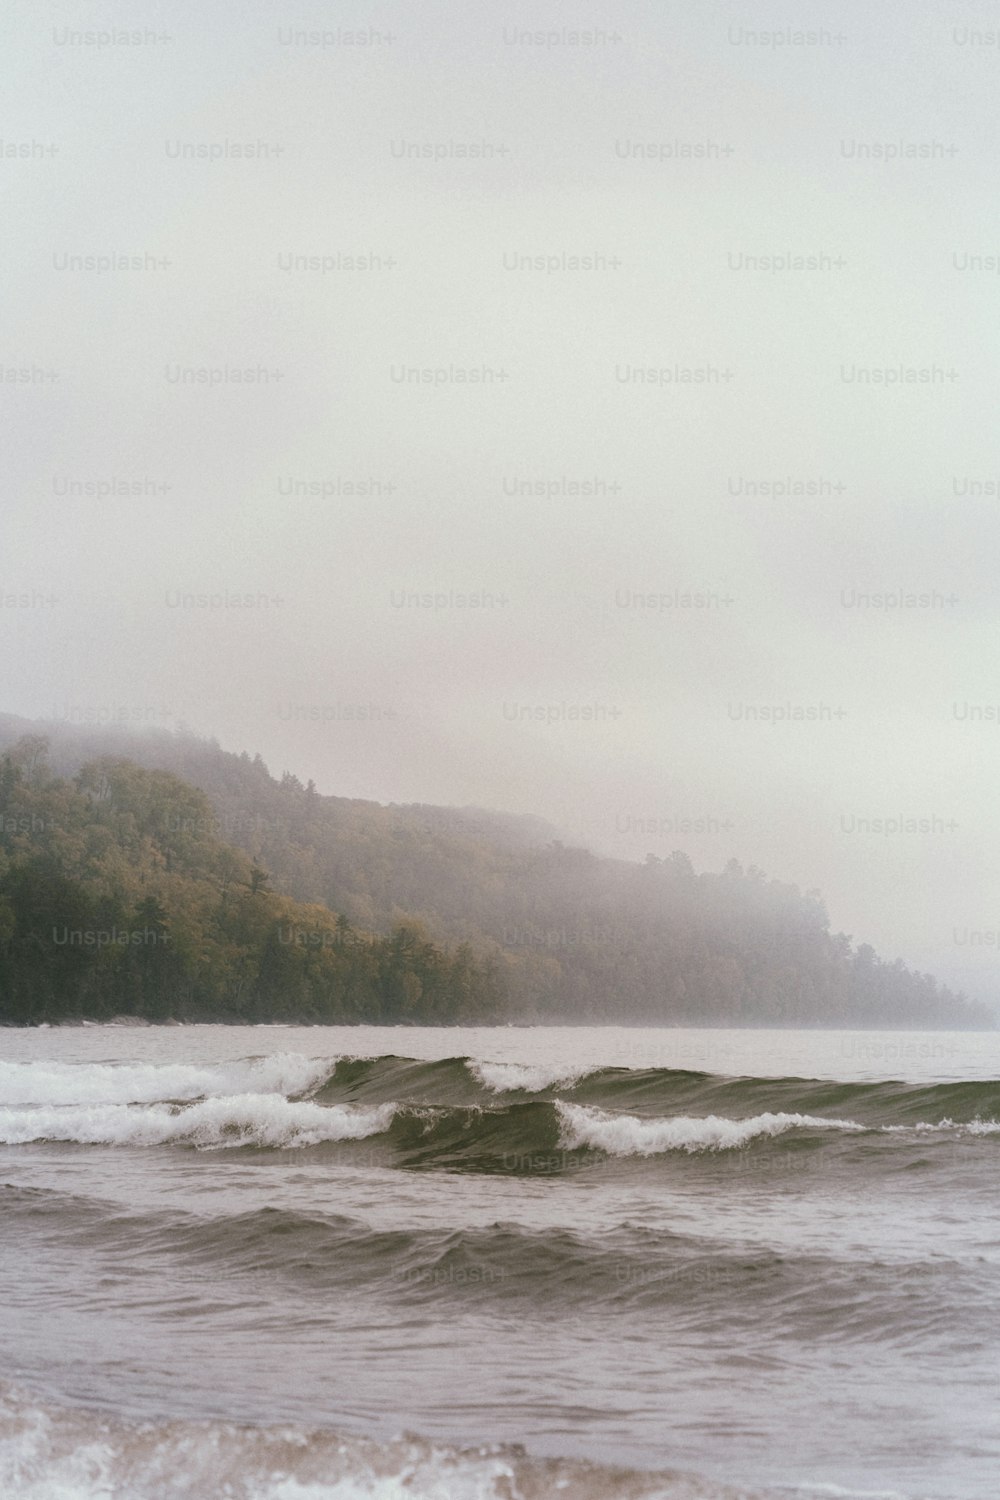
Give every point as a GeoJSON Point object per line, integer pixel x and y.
{"type": "Point", "coordinates": [237, 1120]}
{"type": "Point", "coordinates": [629, 1135]}
{"type": "Point", "coordinates": [526, 1078]}
{"type": "Point", "coordinates": [48, 1451]}
{"type": "Point", "coordinates": [57, 1083]}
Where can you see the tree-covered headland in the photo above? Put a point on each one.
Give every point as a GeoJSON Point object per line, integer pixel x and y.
{"type": "Point", "coordinates": [196, 886]}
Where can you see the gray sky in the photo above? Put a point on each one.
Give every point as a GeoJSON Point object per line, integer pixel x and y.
{"type": "Point", "coordinates": [787, 220]}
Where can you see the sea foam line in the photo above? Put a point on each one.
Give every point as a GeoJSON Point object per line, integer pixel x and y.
{"type": "Point", "coordinates": [238, 1120]}
{"type": "Point", "coordinates": [53, 1453]}
{"type": "Point", "coordinates": [583, 1126]}
{"type": "Point", "coordinates": [148, 1083]}
{"type": "Point", "coordinates": [627, 1135]}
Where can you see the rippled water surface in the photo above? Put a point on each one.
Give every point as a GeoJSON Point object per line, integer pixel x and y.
{"type": "Point", "coordinates": [255, 1256]}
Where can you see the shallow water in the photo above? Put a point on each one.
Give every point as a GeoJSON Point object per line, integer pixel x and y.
{"type": "Point", "coordinates": [764, 1259]}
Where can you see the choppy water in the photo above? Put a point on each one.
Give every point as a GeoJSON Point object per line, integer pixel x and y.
{"type": "Point", "coordinates": [721, 1263]}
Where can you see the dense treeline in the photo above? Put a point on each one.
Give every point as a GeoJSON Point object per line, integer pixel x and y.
{"type": "Point", "coordinates": [118, 898]}
{"type": "Point", "coordinates": [549, 932]}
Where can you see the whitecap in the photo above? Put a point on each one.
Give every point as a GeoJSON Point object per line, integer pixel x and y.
{"type": "Point", "coordinates": [630, 1135]}
{"type": "Point", "coordinates": [236, 1120]}
{"type": "Point", "coordinates": [528, 1078]}
{"type": "Point", "coordinates": [59, 1083]}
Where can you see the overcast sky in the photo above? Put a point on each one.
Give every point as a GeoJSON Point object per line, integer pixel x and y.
{"type": "Point", "coordinates": [541, 305]}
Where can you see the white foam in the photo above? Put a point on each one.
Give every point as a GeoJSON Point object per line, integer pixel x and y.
{"type": "Point", "coordinates": [52, 1453]}
{"type": "Point", "coordinates": [529, 1078]}
{"type": "Point", "coordinates": [629, 1135]}
{"type": "Point", "coordinates": [924, 1127]}
{"type": "Point", "coordinates": [148, 1083]}
{"type": "Point", "coordinates": [236, 1120]}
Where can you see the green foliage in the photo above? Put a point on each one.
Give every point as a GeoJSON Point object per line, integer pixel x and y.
{"type": "Point", "coordinates": [117, 897]}
{"type": "Point", "coordinates": [480, 917]}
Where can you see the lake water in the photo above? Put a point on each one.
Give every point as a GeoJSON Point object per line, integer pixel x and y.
{"type": "Point", "coordinates": [279, 1263]}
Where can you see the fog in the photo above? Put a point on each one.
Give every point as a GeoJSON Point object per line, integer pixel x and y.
{"type": "Point", "coordinates": [583, 413]}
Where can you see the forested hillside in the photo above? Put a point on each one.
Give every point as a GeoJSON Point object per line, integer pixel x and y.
{"type": "Point", "coordinates": [550, 932]}
{"type": "Point", "coordinates": [118, 898]}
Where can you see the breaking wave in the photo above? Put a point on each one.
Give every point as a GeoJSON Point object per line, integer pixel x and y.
{"type": "Point", "coordinates": [146, 1083]}
{"type": "Point", "coordinates": [462, 1114]}
{"type": "Point", "coordinates": [656, 1091]}
{"type": "Point", "coordinates": [527, 1078]}
{"type": "Point", "coordinates": [49, 1452]}
{"type": "Point", "coordinates": [238, 1120]}
{"type": "Point", "coordinates": [628, 1135]}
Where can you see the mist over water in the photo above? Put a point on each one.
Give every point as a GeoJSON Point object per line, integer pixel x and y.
{"type": "Point", "coordinates": [586, 416]}
{"type": "Point", "coordinates": [528, 436]}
